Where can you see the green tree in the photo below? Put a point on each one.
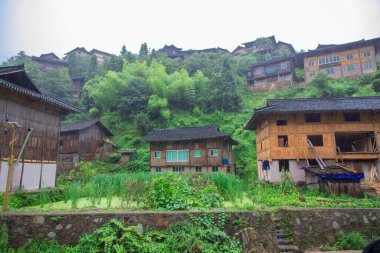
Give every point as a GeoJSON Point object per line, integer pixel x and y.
{"type": "Point", "coordinates": [78, 64]}
{"type": "Point", "coordinates": [92, 67]}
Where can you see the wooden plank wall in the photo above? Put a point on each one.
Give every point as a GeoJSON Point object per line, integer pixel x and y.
{"type": "Point", "coordinates": [224, 151]}
{"type": "Point", "coordinates": [297, 130]}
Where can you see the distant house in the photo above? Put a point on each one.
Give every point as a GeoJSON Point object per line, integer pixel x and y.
{"type": "Point", "coordinates": [83, 141]}
{"type": "Point", "coordinates": [274, 74]}
{"type": "Point", "coordinates": [345, 60]}
{"type": "Point", "coordinates": [172, 51]}
{"type": "Point", "coordinates": [22, 102]}
{"type": "Point", "coordinates": [175, 52]}
{"type": "Point", "coordinates": [78, 83]}
{"type": "Point", "coordinates": [265, 45]}
{"type": "Point", "coordinates": [101, 56]}
{"type": "Point", "coordinates": [338, 128]}
{"type": "Point", "coordinates": [49, 61]}
{"type": "Point", "coordinates": [193, 149]}
{"type": "Point", "coordinates": [79, 51]}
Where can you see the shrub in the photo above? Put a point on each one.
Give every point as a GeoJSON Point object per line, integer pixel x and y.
{"type": "Point", "coordinates": [173, 192]}
{"type": "Point", "coordinates": [350, 241]}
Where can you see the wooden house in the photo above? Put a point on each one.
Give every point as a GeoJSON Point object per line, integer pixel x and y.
{"type": "Point", "coordinates": [22, 102]}
{"type": "Point", "coordinates": [78, 51]}
{"type": "Point", "coordinates": [340, 129]}
{"type": "Point", "coordinates": [274, 74]}
{"type": "Point", "coordinates": [83, 141]}
{"type": "Point", "coordinates": [192, 149]}
{"type": "Point", "coordinates": [175, 52]}
{"type": "Point", "coordinates": [172, 51]}
{"type": "Point", "coordinates": [265, 45]}
{"type": "Point", "coordinates": [101, 56]}
{"type": "Point", "coordinates": [49, 61]}
{"type": "Point", "coordinates": [352, 59]}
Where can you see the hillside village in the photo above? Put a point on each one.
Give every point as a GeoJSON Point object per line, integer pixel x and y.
{"type": "Point", "coordinates": [261, 127]}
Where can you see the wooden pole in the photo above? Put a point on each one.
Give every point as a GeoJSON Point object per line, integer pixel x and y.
{"type": "Point", "coordinates": [10, 169]}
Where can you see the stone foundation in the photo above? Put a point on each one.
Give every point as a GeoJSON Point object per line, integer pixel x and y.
{"type": "Point", "coordinates": [318, 227]}
{"type": "Point", "coordinates": [67, 228]}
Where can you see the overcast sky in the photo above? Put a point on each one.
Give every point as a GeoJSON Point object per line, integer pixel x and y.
{"type": "Point", "coordinates": [42, 26]}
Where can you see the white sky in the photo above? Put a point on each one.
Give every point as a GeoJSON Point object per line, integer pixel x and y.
{"type": "Point", "coordinates": [42, 26]}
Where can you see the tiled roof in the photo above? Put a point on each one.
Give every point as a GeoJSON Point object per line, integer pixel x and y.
{"type": "Point", "coordinates": [81, 125]}
{"type": "Point", "coordinates": [93, 51]}
{"type": "Point", "coordinates": [187, 133]}
{"type": "Point", "coordinates": [82, 49]}
{"type": "Point", "coordinates": [314, 105]}
{"type": "Point", "coordinates": [31, 90]}
{"type": "Point", "coordinates": [324, 49]}
{"type": "Point", "coordinates": [39, 59]}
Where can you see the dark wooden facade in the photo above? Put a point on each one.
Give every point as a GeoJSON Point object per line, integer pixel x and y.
{"type": "Point", "coordinates": [49, 61]}
{"type": "Point", "coordinates": [83, 141]}
{"type": "Point", "coordinates": [207, 153]}
{"type": "Point", "coordinates": [22, 102]}
{"type": "Point", "coordinates": [277, 72]}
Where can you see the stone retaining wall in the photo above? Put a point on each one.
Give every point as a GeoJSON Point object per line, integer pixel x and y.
{"type": "Point", "coordinates": [67, 228]}
{"type": "Point", "coordinates": [317, 227]}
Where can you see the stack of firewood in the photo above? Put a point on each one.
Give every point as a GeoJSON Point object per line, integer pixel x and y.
{"type": "Point", "coordinates": [373, 181]}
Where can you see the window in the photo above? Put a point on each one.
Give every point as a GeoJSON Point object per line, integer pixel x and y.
{"type": "Point", "coordinates": [178, 169]}
{"type": "Point", "coordinates": [197, 153]}
{"type": "Point", "coordinates": [367, 53]}
{"type": "Point", "coordinates": [351, 116]}
{"type": "Point", "coordinates": [198, 168]}
{"type": "Point", "coordinates": [330, 71]}
{"type": "Point", "coordinates": [271, 69]}
{"type": "Point", "coordinates": [177, 155]}
{"type": "Point", "coordinates": [316, 140]}
{"type": "Point", "coordinates": [283, 65]}
{"type": "Point", "coordinates": [158, 169]}
{"type": "Point", "coordinates": [215, 168]}
{"type": "Point", "coordinates": [350, 57]}
{"type": "Point", "coordinates": [311, 73]}
{"type": "Point", "coordinates": [282, 122]}
{"type": "Point", "coordinates": [351, 67]}
{"type": "Point", "coordinates": [311, 63]}
{"type": "Point", "coordinates": [214, 152]}
{"type": "Point", "coordinates": [368, 65]}
{"type": "Point", "coordinates": [312, 117]}
{"type": "Point", "coordinates": [157, 154]}
{"type": "Point", "coordinates": [249, 73]}
{"type": "Point", "coordinates": [258, 72]}
{"type": "Point", "coordinates": [328, 59]}
{"type": "Point", "coordinates": [283, 165]}
{"type": "Point", "coordinates": [282, 141]}
{"type": "Point", "coordinates": [228, 169]}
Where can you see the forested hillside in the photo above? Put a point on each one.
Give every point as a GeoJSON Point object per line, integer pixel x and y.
{"type": "Point", "coordinates": [133, 94]}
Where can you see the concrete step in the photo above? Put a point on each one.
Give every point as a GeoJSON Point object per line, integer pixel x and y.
{"type": "Point", "coordinates": [285, 241]}
{"type": "Point", "coordinates": [287, 248]}
{"type": "Point", "coordinates": [282, 236]}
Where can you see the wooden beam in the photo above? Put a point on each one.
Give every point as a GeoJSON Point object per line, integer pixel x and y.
{"type": "Point", "coordinates": [342, 166]}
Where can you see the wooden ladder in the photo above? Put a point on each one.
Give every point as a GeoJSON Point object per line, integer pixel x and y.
{"type": "Point", "coordinates": [320, 161]}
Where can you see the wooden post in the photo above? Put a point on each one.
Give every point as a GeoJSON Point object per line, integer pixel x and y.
{"type": "Point", "coordinates": [10, 166]}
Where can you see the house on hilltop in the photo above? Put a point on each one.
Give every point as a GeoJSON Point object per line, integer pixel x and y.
{"type": "Point", "coordinates": [275, 74]}
{"type": "Point", "coordinates": [338, 128]}
{"type": "Point", "coordinates": [265, 45]}
{"type": "Point", "coordinates": [351, 59]}
{"type": "Point", "coordinates": [192, 149]}
{"type": "Point", "coordinates": [84, 140]}
{"type": "Point", "coordinates": [38, 114]}
{"type": "Point", "coordinates": [175, 52]}
{"type": "Point", "coordinates": [101, 56]}
{"type": "Point", "coordinates": [49, 61]}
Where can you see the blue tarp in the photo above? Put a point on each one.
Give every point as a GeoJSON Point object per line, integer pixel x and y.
{"type": "Point", "coordinates": [225, 161]}
{"type": "Point", "coordinates": [356, 176]}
